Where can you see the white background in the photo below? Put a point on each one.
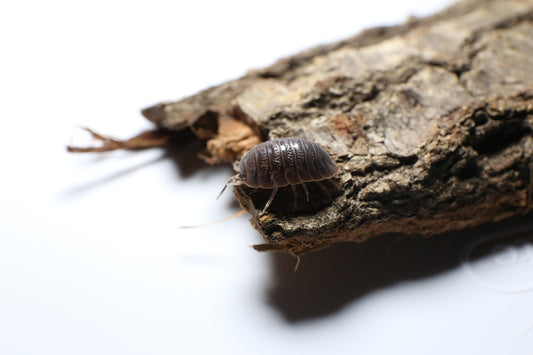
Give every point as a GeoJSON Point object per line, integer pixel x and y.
{"type": "Point", "coordinates": [92, 261]}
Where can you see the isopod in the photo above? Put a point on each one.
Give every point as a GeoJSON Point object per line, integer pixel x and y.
{"type": "Point", "coordinates": [282, 162]}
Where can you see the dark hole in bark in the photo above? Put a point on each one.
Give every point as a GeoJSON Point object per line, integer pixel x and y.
{"type": "Point", "coordinates": [494, 138]}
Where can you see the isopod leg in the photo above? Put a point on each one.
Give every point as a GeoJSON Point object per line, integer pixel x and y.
{"type": "Point", "coordinates": [306, 192]}
{"type": "Point", "coordinates": [270, 199]}
{"type": "Point", "coordinates": [294, 197]}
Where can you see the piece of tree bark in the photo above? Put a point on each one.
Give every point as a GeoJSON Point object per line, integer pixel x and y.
{"type": "Point", "coordinates": [430, 121]}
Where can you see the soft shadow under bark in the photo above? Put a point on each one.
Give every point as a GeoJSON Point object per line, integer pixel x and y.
{"type": "Point", "coordinates": [328, 280]}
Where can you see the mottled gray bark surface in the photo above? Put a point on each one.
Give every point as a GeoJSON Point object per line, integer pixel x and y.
{"type": "Point", "coordinates": [430, 121]}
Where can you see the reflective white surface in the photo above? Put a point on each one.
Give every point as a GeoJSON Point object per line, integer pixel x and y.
{"type": "Point", "coordinates": [92, 261]}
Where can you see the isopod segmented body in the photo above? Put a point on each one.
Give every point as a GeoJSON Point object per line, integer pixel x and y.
{"type": "Point", "coordinates": [285, 161]}
{"type": "Point", "coordinates": [281, 162]}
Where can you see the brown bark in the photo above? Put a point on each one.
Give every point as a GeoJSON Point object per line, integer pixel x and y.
{"type": "Point", "coordinates": [431, 122]}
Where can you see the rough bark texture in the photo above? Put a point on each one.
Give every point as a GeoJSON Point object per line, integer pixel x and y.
{"type": "Point", "coordinates": [430, 121]}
